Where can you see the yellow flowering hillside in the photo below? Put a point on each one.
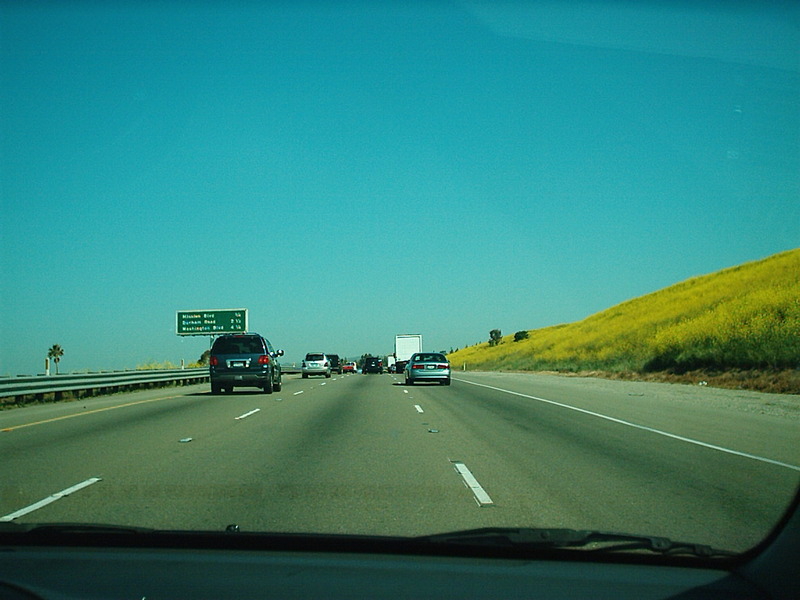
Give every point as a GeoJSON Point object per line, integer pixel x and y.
{"type": "Point", "coordinates": [744, 317]}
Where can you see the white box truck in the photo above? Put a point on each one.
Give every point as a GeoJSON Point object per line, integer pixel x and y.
{"type": "Point", "coordinates": [405, 345]}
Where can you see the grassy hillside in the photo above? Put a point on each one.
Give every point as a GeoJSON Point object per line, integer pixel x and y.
{"type": "Point", "coordinates": [745, 317]}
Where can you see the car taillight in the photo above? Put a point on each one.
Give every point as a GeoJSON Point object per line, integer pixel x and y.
{"type": "Point", "coordinates": [213, 361]}
{"type": "Point", "coordinates": [417, 366]}
{"type": "Point", "coordinates": [442, 366]}
{"type": "Point", "coordinates": [263, 359]}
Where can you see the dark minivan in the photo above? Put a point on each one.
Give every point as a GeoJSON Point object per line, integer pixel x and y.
{"type": "Point", "coordinates": [372, 364]}
{"type": "Point", "coordinates": [244, 360]}
{"type": "Point", "coordinates": [336, 364]}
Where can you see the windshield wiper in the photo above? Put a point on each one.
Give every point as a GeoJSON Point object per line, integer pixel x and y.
{"type": "Point", "coordinates": [507, 538]}
{"type": "Point", "coordinates": [68, 528]}
{"type": "Point", "coordinates": [591, 541]}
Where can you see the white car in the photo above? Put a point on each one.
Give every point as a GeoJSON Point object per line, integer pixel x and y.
{"type": "Point", "coordinates": [316, 363]}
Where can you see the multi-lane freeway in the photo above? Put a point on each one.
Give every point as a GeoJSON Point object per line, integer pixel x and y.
{"type": "Point", "coordinates": [367, 454]}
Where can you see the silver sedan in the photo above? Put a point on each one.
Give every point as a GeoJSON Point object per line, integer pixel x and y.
{"type": "Point", "coordinates": [316, 363]}
{"type": "Point", "coordinates": [427, 366]}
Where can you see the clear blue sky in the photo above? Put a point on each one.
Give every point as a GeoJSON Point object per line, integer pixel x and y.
{"type": "Point", "coordinates": [348, 174]}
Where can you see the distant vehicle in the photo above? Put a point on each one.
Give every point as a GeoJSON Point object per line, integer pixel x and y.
{"type": "Point", "coordinates": [428, 367]}
{"type": "Point", "coordinates": [391, 361]}
{"type": "Point", "coordinates": [372, 364]}
{"type": "Point", "coordinates": [336, 365]}
{"type": "Point", "coordinates": [350, 367]}
{"type": "Point", "coordinates": [244, 360]}
{"type": "Point", "coordinates": [315, 363]}
{"type": "Point", "coordinates": [405, 345]}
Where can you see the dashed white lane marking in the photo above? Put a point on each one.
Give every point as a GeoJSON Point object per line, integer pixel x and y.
{"type": "Point", "coordinates": [296, 393]}
{"type": "Point", "coordinates": [481, 497]}
{"type": "Point", "coordinates": [419, 408]}
{"type": "Point", "coordinates": [405, 391]}
{"type": "Point", "coordinates": [643, 427]}
{"type": "Point", "coordinates": [247, 414]}
{"type": "Point", "coordinates": [50, 499]}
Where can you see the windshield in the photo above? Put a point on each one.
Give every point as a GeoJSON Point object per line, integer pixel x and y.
{"type": "Point", "coordinates": [589, 210]}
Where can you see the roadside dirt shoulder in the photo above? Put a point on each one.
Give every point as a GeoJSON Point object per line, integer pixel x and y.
{"type": "Point", "coordinates": [680, 390]}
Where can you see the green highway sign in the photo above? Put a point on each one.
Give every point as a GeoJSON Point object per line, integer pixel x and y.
{"type": "Point", "coordinates": [211, 322]}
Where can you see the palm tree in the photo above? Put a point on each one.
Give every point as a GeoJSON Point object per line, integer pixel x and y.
{"type": "Point", "coordinates": [56, 352]}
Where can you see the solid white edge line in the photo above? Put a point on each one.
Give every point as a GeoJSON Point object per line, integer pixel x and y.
{"type": "Point", "coordinates": [419, 408]}
{"type": "Point", "coordinates": [247, 414]}
{"type": "Point", "coordinates": [643, 427]}
{"type": "Point", "coordinates": [481, 497]}
{"type": "Point", "coordinates": [50, 499]}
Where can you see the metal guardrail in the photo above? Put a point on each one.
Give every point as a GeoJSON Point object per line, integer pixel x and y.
{"type": "Point", "coordinates": [19, 388]}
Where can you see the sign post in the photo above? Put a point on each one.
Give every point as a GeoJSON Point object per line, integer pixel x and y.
{"type": "Point", "coordinates": [211, 322]}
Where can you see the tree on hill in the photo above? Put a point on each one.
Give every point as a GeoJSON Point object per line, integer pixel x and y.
{"type": "Point", "coordinates": [203, 361]}
{"type": "Point", "coordinates": [495, 336]}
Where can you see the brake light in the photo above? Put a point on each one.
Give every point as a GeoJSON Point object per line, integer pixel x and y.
{"type": "Point", "coordinates": [263, 359]}
{"type": "Point", "coordinates": [442, 366]}
{"type": "Point", "coordinates": [213, 361]}
{"type": "Point", "coordinates": [417, 366]}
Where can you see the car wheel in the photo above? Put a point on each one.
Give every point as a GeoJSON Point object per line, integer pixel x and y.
{"type": "Point", "coordinates": [277, 386]}
{"type": "Point", "coordinates": [268, 386]}
{"type": "Point", "coordinates": [409, 382]}
{"type": "Point", "coordinates": [327, 375]}
{"type": "Point", "coordinates": [447, 381]}
{"type": "Point", "coordinates": [216, 388]}
{"type": "Point", "coordinates": [305, 375]}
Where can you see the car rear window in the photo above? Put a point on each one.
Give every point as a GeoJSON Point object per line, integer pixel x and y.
{"type": "Point", "coordinates": [431, 358]}
{"type": "Point", "coordinates": [315, 356]}
{"type": "Point", "coordinates": [238, 346]}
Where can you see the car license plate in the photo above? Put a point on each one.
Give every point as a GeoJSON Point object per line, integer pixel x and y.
{"type": "Point", "coordinates": [430, 366]}
{"type": "Point", "coordinates": [238, 363]}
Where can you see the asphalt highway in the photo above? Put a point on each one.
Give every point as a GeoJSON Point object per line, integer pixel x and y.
{"type": "Point", "coordinates": [367, 454]}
